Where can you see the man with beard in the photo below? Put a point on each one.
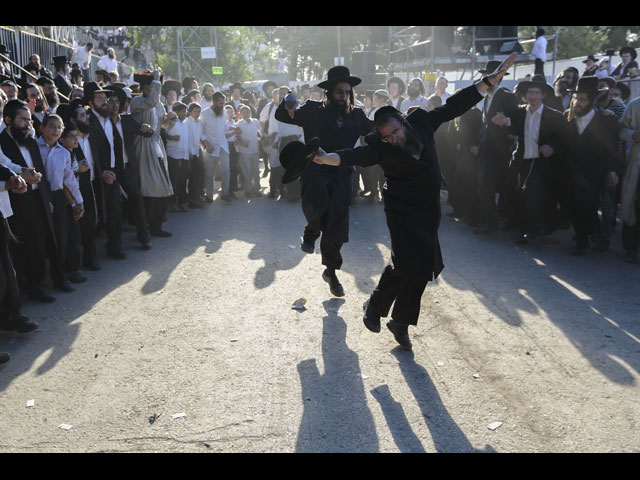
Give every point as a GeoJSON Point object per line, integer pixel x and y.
{"type": "Point", "coordinates": [101, 140]}
{"type": "Point", "coordinates": [216, 155]}
{"type": "Point", "coordinates": [32, 94]}
{"type": "Point", "coordinates": [88, 181]}
{"type": "Point", "coordinates": [108, 62]}
{"type": "Point", "coordinates": [127, 168]}
{"type": "Point", "coordinates": [150, 153]}
{"type": "Point", "coordinates": [404, 146]}
{"type": "Point", "coordinates": [590, 161]}
{"type": "Point", "coordinates": [564, 82]}
{"type": "Point", "coordinates": [416, 96]}
{"type": "Point", "coordinates": [50, 94]}
{"type": "Point", "coordinates": [31, 223]}
{"type": "Point", "coordinates": [326, 189]}
{"type": "Point", "coordinates": [36, 67]}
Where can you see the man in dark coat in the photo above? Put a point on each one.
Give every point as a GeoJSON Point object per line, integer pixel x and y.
{"type": "Point", "coordinates": [10, 318]}
{"type": "Point", "coordinates": [31, 222]}
{"type": "Point", "coordinates": [127, 168]}
{"type": "Point", "coordinates": [61, 80]}
{"type": "Point", "coordinates": [494, 149]}
{"type": "Point", "coordinates": [538, 129]}
{"type": "Point", "coordinates": [101, 138]}
{"type": "Point", "coordinates": [326, 190]}
{"type": "Point", "coordinates": [590, 159]}
{"type": "Point", "coordinates": [405, 149]}
{"type": "Point", "coordinates": [628, 62]}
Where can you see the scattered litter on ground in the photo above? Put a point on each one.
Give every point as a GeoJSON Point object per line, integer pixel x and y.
{"type": "Point", "coordinates": [31, 403]}
{"type": "Point", "coordinates": [178, 415]}
{"type": "Point", "coordinates": [293, 247]}
{"type": "Point", "coordinates": [64, 426]}
{"type": "Point", "coordinates": [440, 364]}
{"type": "Point", "coordinates": [299, 305]}
{"type": "Point", "coordinates": [494, 425]}
{"type": "Point", "coordinates": [153, 418]}
{"type": "Point", "coordinates": [476, 375]}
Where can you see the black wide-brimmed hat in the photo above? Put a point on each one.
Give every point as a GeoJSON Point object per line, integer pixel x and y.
{"type": "Point", "coordinates": [118, 92]}
{"type": "Point", "coordinates": [491, 67]}
{"type": "Point", "coordinates": [337, 74]}
{"type": "Point", "coordinates": [60, 60]}
{"type": "Point", "coordinates": [295, 157]}
{"type": "Point", "coordinates": [90, 89]}
{"type": "Point", "coordinates": [590, 57]}
{"type": "Point", "coordinates": [269, 83]}
{"type": "Point", "coordinates": [399, 82]}
{"type": "Point", "coordinates": [169, 85]}
{"type": "Point", "coordinates": [629, 50]}
{"type": "Point", "coordinates": [237, 85]}
{"type": "Point", "coordinates": [625, 91]}
{"type": "Point", "coordinates": [536, 81]}
{"type": "Point", "coordinates": [588, 85]}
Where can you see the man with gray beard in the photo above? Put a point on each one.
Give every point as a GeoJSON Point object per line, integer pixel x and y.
{"type": "Point", "coordinates": [216, 154]}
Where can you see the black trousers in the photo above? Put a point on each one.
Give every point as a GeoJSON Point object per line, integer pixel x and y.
{"type": "Point", "coordinates": [134, 204]}
{"type": "Point", "coordinates": [317, 221]}
{"type": "Point", "coordinates": [67, 232]}
{"type": "Point", "coordinates": [156, 208]}
{"type": "Point", "coordinates": [493, 179]}
{"type": "Point", "coordinates": [539, 67]}
{"type": "Point", "coordinates": [631, 233]}
{"type": "Point", "coordinates": [234, 168]}
{"type": "Point", "coordinates": [9, 293]}
{"type": "Point", "coordinates": [403, 293]}
{"type": "Point", "coordinates": [535, 200]}
{"type": "Point", "coordinates": [583, 206]}
{"type": "Point", "coordinates": [275, 181]}
{"type": "Point", "coordinates": [88, 222]}
{"type": "Point", "coordinates": [35, 243]}
{"type": "Point", "coordinates": [195, 182]}
{"type": "Point", "coordinates": [178, 174]}
{"type": "Point", "coordinates": [113, 222]}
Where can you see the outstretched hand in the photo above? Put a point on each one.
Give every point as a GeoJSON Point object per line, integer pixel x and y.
{"type": "Point", "coordinates": [499, 72]}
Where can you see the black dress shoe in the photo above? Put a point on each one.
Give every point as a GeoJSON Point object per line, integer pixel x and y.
{"type": "Point", "coordinates": [20, 324]}
{"type": "Point", "coordinates": [371, 318]}
{"type": "Point", "coordinates": [116, 255]}
{"type": "Point", "coordinates": [76, 277]}
{"type": "Point", "coordinates": [334, 284]}
{"type": "Point", "coordinates": [42, 297]}
{"type": "Point", "coordinates": [160, 233]}
{"type": "Point", "coordinates": [146, 245]}
{"type": "Point", "coordinates": [94, 266]}
{"type": "Point", "coordinates": [64, 287]}
{"type": "Point", "coordinates": [307, 247]}
{"type": "Point", "coordinates": [400, 333]}
{"type": "Point", "coordinates": [4, 357]}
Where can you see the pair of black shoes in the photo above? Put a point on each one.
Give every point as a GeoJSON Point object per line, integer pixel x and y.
{"type": "Point", "coordinates": [18, 323]}
{"type": "Point", "coordinates": [400, 331]}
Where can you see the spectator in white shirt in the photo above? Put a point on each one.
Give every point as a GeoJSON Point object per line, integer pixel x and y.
{"type": "Point", "coordinates": [108, 62]}
{"type": "Point", "coordinates": [249, 152]}
{"type": "Point", "coordinates": [195, 183]}
{"type": "Point", "coordinates": [539, 51]}
{"type": "Point", "coordinates": [214, 121]}
{"type": "Point", "coordinates": [178, 146]}
{"type": "Point", "coordinates": [83, 57]}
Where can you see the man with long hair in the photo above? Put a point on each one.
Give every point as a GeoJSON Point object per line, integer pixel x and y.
{"type": "Point", "coordinates": [325, 189]}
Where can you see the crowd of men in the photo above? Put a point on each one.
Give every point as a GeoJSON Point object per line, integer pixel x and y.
{"type": "Point", "coordinates": [82, 157]}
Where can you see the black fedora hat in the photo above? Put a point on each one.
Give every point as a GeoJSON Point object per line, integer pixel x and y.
{"type": "Point", "coordinates": [60, 60]}
{"type": "Point", "coordinates": [118, 92]}
{"type": "Point", "coordinates": [339, 73]}
{"type": "Point", "coordinates": [590, 57]}
{"type": "Point", "coordinates": [629, 50]}
{"type": "Point", "coordinates": [269, 83]}
{"type": "Point", "coordinates": [588, 85]}
{"type": "Point", "coordinates": [399, 82]}
{"type": "Point", "coordinates": [237, 85]}
{"type": "Point", "coordinates": [90, 89]}
{"type": "Point", "coordinates": [169, 85]}
{"type": "Point", "coordinates": [536, 81]}
{"type": "Point", "coordinates": [295, 156]}
{"type": "Point", "coordinates": [491, 67]}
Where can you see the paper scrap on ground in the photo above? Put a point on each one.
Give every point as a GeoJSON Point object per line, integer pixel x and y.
{"type": "Point", "coordinates": [178, 415]}
{"type": "Point", "coordinates": [494, 425]}
{"type": "Point", "coordinates": [31, 403]}
{"type": "Point", "coordinates": [299, 304]}
{"type": "Point", "coordinates": [64, 426]}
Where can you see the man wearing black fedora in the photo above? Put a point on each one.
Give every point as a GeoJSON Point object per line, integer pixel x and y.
{"type": "Point", "coordinates": [61, 80]}
{"type": "Point", "coordinates": [494, 151]}
{"type": "Point", "coordinates": [589, 162]}
{"type": "Point", "coordinates": [628, 62]}
{"type": "Point", "coordinates": [539, 130]}
{"type": "Point", "coordinates": [404, 146]}
{"type": "Point", "coordinates": [325, 189]}
{"type": "Point", "coordinates": [590, 66]}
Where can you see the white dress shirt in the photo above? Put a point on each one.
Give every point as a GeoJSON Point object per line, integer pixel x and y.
{"type": "Point", "coordinates": [539, 49]}
{"type": "Point", "coordinates": [57, 166]}
{"type": "Point", "coordinates": [583, 122]}
{"type": "Point", "coordinates": [532, 132]}
{"type": "Point", "coordinates": [179, 149]}
{"type": "Point", "coordinates": [213, 130]}
{"type": "Point", "coordinates": [248, 132]}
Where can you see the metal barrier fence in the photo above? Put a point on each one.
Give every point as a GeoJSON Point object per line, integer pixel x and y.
{"type": "Point", "coordinates": [22, 45]}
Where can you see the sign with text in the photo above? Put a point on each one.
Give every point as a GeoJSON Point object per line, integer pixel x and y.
{"type": "Point", "coordinates": [430, 77]}
{"type": "Point", "coordinates": [216, 70]}
{"type": "Point", "coordinates": [208, 52]}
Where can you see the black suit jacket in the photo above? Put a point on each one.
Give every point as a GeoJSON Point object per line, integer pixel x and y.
{"type": "Point", "coordinates": [495, 141]}
{"type": "Point", "coordinates": [18, 204]}
{"type": "Point", "coordinates": [63, 85]}
{"type": "Point", "coordinates": [623, 72]}
{"type": "Point", "coordinates": [130, 128]}
{"type": "Point", "coordinates": [550, 129]}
